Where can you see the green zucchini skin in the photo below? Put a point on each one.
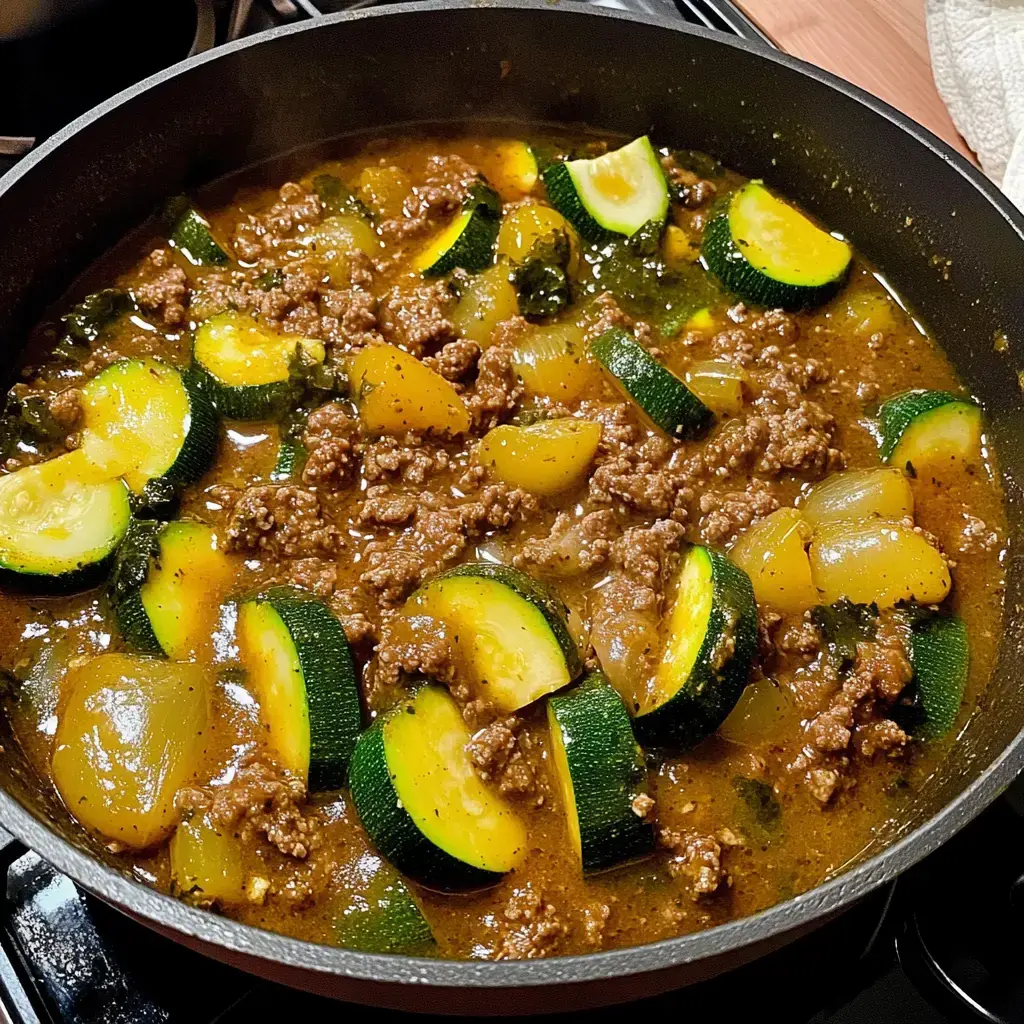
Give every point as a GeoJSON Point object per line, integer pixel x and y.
{"type": "Point", "coordinates": [897, 413]}
{"type": "Point", "coordinates": [329, 675]}
{"type": "Point", "coordinates": [549, 604]}
{"type": "Point", "coordinates": [189, 232]}
{"type": "Point", "coordinates": [141, 543]}
{"type": "Point", "coordinates": [473, 250]}
{"type": "Point", "coordinates": [666, 400]}
{"type": "Point", "coordinates": [565, 199]}
{"type": "Point", "coordinates": [704, 701]}
{"type": "Point", "coordinates": [940, 652]}
{"type": "Point", "coordinates": [392, 828]}
{"type": "Point", "coordinates": [389, 921]}
{"type": "Point", "coordinates": [725, 260]}
{"type": "Point", "coordinates": [84, 575]}
{"type": "Point", "coordinates": [199, 448]}
{"type": "Point", "coordinates": [252, 402]}
{"type": "Point", "coordinates": [291, 457]}
{"type": "Point", "coordinates": [607, 772]}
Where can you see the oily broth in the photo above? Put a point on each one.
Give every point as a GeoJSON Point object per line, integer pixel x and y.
{"type": "Point", "coordinates": [696, 791]}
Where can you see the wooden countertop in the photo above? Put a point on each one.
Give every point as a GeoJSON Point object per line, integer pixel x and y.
{"type": "Point", "coordinates": [880, 45]}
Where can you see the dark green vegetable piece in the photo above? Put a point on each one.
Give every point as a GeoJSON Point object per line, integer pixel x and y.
{"type": "Point", "coordinates": [337, 198]}
{"type": "Point", "coordinates": [542, 279]}
{"type": "Point", "coordinates": [940, 653]}
{"type": "Point", "coordinates": [273, 278]}
{"type": "Point", "coordinates": [385, 920]}
{"type": "Point", "coordinates": [189, 232]}
{"type": "Point", "coordinates": [646, 240]}
{"type": "Point", "coordinates": [760, 799]}
{"type": "Point", "coordinates": [86, 321]}
{"type": "Point", "coordinates": [291, 457]}
{"type": "Point", "coordinates": [844, 625]}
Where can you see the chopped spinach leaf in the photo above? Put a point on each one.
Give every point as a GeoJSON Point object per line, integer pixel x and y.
{"type": "Point", "coordinates": [760, 799]}
{"type": "Point", "coordinates": [86, 321]}
{"type": "Point", "coordinates": [844, 625]}
{"type": "Point", "coordinates": [482, 196]}
{"type": "Point", "coordinates": [646, 239]}
{"type": "Point", "coordinates": [27, 418]}
{"type": "Point", "coordinates": [542, 279]}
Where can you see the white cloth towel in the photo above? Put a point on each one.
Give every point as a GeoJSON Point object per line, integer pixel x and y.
{"type": "Point", "coordinates": [977, 50]}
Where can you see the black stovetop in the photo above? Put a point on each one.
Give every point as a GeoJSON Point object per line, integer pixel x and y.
{"type": "Point", "coordinates": [938, 945]}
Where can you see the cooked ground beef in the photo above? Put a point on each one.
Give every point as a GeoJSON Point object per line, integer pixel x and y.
{"type": "Point", "coordinates": [500, 751]}
{"type": "Point", "coordinates": [161, 288]}
{"type": "Point", "coordinates": [260, 800]}
{"type": "Point", "coordinates": [695, 857]}
{"type": "Point", "coordinates": [285, 521]}
{"type": "Point", "coordinates": [535, 928]}
{"type": "Point", "coordinates": [329, 439]}
{"type": "Point", "coordinates": [418, 317]}
{"type": "Point", "coordinates": [572, 546]}
{"type": "Point", "coordinates": [725, 514]}
{"type": "Point", "coordinates": [261, 234]}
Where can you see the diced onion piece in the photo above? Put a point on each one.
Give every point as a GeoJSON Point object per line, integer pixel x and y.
{"type": "Point", "coordinates": [859, 494]}
{"type": "Point", "coordinates": [678, 246]}
{"type": "Point", "coordinates": [867, 560]}
{"type": "Point", "coordinates": [486, 300]}
{"type": "Point", "coordinates": [719, 385]}
{"type": "Point", "coordinates": [866, 312]}
{"type": "Point", "coordinates": [552, 363]}
{"type": "Point", "coordinates": [761, 715]}
{"type": "Point", "coordinates": [546, 457]}
{"type": "Point", "coordinates": [624, 641]}
{"type": "Point", "coordinates": [772, 554]}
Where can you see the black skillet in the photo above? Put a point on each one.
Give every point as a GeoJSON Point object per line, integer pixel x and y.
{"type": "Point", "coordinates": [941, 233]}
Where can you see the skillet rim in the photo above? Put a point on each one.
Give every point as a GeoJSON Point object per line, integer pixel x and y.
{"type": "Point", "coordinates": [799, 912]}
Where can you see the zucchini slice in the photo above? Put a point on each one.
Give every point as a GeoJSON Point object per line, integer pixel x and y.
{"type": "Point", "coordinates": [189, 232]}
{"type": "Point", "coordinates": [601, 771]}
{"type": "Point", "coordinates": [712, 638]}
{"type": "Point", "coordinates": [291, 457]}
{"type": "Point", "coordinates": [929, 428]}
{"type": "Point", "coordinates": [60, 524]}
{"type": "Point", "coordinates": [385, 919]}
{"type": "Point", "coordinates": [770, 254]}
{"type": "Point", "coordinates": [616, 194]}
{"type": "Point", "coordinates": [302, 674]}
{"type": "Point", "coordinates": [165, 577]}
{"type": "Point", "coordinates": [666, 400]}
{"type": "Point", "coordinates": [144, 420]}
{"type": "Point", "coordinates": [423, 804]}
{"type": "Point", "coordinates": [940, 652]}
{"type": "Point", "coordinates": [248, 367]}
{"type": "Point", "coordinates": [509, 633]}
{"type": "Point", "coordinates": [468, 241]}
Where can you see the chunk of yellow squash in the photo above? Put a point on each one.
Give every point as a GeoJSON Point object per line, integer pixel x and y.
{"type": "Point", "coordinates": [772, 553]}
{"type": "Point", "coordinates": [130, 735]}
{"type": "Point", "coordinates": [546, 457]}
{"type": "Point", "coordinates": [552, 362]}
{"type": "Point", "coordinates": [396, 393]}
{"type": "Point", "coordinates": [206, 862]}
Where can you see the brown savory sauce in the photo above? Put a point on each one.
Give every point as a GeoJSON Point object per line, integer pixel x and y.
{"type": "Point", "coordinates": [812, 769]}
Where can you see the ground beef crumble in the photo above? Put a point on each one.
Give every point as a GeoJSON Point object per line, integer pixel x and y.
{"type": "Point", "coordinates": [329, 440]}
{"type": "Point", "coordinates": [694, 857]}
{"type": "Point", "coordinates": [418, 317]}
{"type": "Point", "coordinates": [261, 234]}
{"type": "Point", "coordinates": [500, 752]}
{"type": "Point", "coordinates": [535, 928]}
{"type": "Point", "coordinates": [285, 521]}
{"type": "Point", "coordinates": [261, 800]}
{"type": "Point", "coordinates": [161, 288]}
